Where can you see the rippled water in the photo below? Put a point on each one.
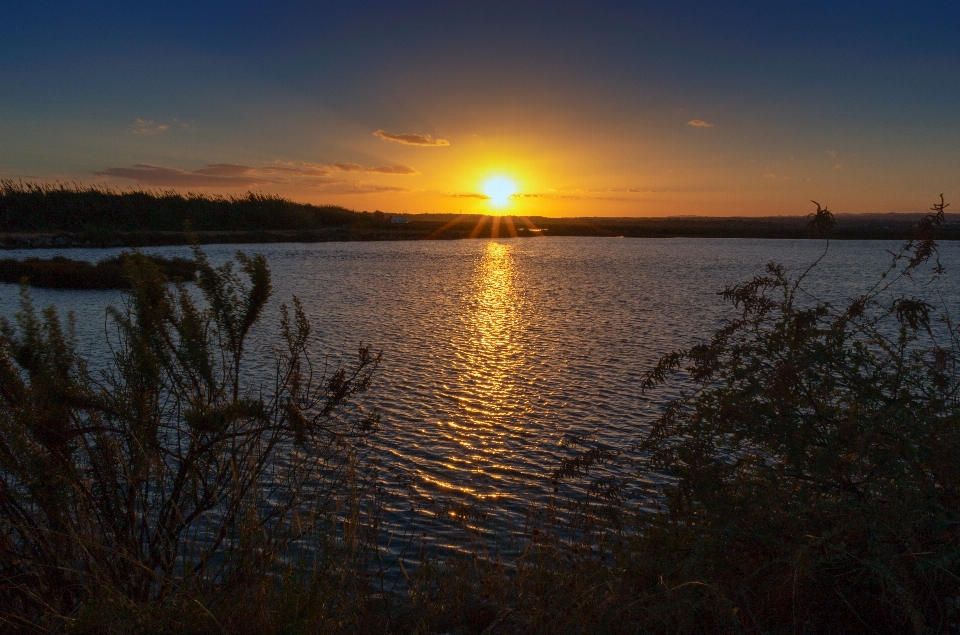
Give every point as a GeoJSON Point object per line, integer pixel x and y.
{"type": "Point", "coordinates": [495, 351]}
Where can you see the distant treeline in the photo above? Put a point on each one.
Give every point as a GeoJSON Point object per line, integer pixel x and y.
{"type": "Point", "coordinates": [42, 208]}
{"type": "Point", "coordinates": [36, 215]}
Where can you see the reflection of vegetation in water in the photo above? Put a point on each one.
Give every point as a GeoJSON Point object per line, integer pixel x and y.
{"type": "Point", "coordinates": [808, 485]}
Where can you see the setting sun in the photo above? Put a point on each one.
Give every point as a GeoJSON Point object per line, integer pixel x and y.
{"type": "Point", "coordinates": [499, 189]}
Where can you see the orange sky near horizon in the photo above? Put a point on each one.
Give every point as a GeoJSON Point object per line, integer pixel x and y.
{"type": "Point", "coordinates": [588, 109]}
{"type": "Point", "coordinates": [414, 172]}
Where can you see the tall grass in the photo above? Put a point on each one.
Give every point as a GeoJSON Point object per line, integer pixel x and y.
{"type": "Point", "coordinates": [36, 207]}
{"type": "Point", "coordinates": [168, 488]}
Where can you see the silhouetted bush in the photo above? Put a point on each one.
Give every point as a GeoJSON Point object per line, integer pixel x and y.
{"type": "Point", "coordinates": [810, 482]}
{"type": "Point", "coordinates": [168, 488]}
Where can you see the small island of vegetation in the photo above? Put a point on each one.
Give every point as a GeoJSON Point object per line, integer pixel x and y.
{"type": "Point", "coordinates": [64, 273]}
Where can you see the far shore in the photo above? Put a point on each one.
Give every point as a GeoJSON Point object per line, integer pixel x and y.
{"type": "Point", "coordinates": [440, 227]}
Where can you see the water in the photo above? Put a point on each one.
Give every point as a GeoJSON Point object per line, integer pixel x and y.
{"type": "Point", "coordinates": [496, 351]}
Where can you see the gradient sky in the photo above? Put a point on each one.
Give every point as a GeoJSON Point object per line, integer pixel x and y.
{"type": "Point", "coordinates": [590, 109]}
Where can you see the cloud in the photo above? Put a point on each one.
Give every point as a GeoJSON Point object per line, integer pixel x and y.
{"type": "Point", "coordinates": [148, 127]}
{"type": "Point", "coordinates": [366, 188]}
{"type": "Point", "coordinates": [381, 169]}
{"type": "Point", "coordinates": [347, 167]}
{"type": "Point", "coordinates": [832, 154]}
{"type": "Point", "coordinates": [307, 170]}
{"type": "Point", "coordinates": [225, 169]}
{"type": "Point", "coordinates": [231, 175]}
{"type": "Point", "coordinates": [699, 123]}
{"type": "Point", "coordinates": [469, 195]}
{"type": "Point", "coordinates": [582, 195]}
{"type": "Point", "coordinates": [411, 139]}
{"type": "Point", "coordinates": [391, 169]}
{"type": "Point", "coordinates": [215, 175]}
{"type": "Point", "coordinates": [312, 169]}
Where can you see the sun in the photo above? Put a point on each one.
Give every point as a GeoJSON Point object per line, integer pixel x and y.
{"type": "Point", "coordinates": [499, 189]}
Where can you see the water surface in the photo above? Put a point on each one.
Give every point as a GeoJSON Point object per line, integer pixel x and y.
{"type": "Point", "coordinates": [497, 351]}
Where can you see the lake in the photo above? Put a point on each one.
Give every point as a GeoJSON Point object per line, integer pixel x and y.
{"type": "Point", "coordinates": [496, 352]}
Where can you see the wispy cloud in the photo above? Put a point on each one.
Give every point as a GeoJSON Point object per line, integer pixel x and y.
{"type": "Point", "coordinates": [231, 175]}
{"type": "Point", "coordinates": [364, 188]}
{"type": "Point", "coordinates": [148, 127]}
{"type": "Point", "coordinates": [391, 169]}
{"type": "Point", "coordinates": [216, 175]}
{"type": "Point", "coordinates": [699, 123]}
{"type": "Point", "coordinates": [411, 139]}
{"type": "Point", "coordinates": [468, 195]}
{"type": "Point", "coordinates": [832, 154]}
{"type": "Point", "coordinates": [380, 169]}
{"type": "Point", "coordinates": [347, 167]}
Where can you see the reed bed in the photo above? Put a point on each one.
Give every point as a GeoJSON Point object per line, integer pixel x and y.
{"type": "Point", "coordinates": [27, 207]}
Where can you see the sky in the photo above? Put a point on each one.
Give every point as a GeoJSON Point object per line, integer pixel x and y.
{"type": "Point", "coordinates": [556, 109]}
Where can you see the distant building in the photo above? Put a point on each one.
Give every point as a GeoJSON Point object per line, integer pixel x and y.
{"type": "Point", "coordinates": [398, 219]}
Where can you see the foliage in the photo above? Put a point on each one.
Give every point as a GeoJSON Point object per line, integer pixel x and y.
{"type": "Point", "coordinates": [36, 207]}
{"type": "Point", "coordinates": [811, 480]}
{"type": "Point", "coordinates": [169, 480]}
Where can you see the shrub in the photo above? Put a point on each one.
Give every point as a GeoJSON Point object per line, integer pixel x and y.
{"type": "Point", "coordinates": [168, 489]}
{"type": "Point", "coordinates": [810, 483]}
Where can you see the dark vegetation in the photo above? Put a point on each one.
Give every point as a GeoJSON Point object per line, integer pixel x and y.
{"type": "Point", "coordinates": [38, 208]}
{"type": "Point", "coordinates": [109, 273]}
{"type": "Point", "coordinates": [150, 495]}
{"type": "Point", "coordinates": [807, 481]}
{"type": "Point", "coordinates": [36, 215]}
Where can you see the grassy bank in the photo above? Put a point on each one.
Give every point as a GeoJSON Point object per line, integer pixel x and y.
{"type": "Point", "coordinates": [805, 482]}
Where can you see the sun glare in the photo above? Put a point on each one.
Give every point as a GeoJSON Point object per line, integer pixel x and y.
{"type": "Point", "coordinates": [499, 189]}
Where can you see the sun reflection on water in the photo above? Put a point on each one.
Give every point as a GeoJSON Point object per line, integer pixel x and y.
{"type": "Point", "coordinates": [494, 348]}
{"type": "Point", "coordinates": [489, 353]}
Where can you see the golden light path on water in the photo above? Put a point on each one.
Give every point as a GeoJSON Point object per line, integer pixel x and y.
{"type": "Point", "coordinates": [489, 354]}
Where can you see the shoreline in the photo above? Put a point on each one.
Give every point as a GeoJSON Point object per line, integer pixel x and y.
{"type": "Point", "coordinates": [791, 228]}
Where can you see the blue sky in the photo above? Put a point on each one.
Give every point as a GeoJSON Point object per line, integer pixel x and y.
{"type": "Point", "coordinates": [589, 108]}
